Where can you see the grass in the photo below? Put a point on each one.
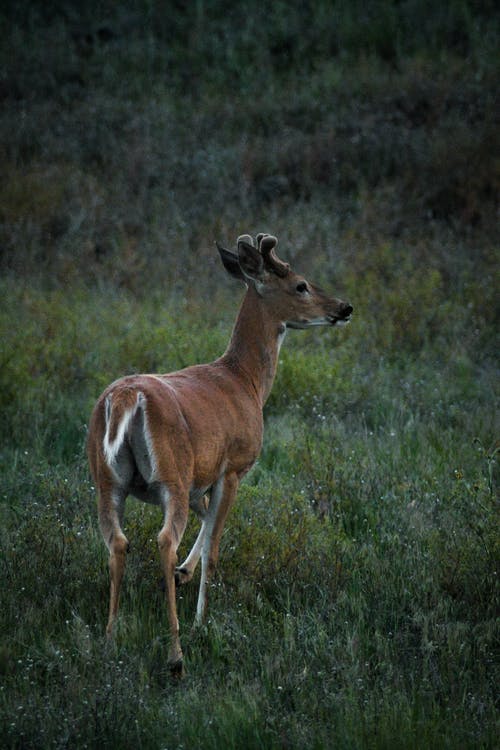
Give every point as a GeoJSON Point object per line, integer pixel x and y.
{"type": "Point", "coordinates": [356, 601]}
{"type": "Point", "coordinates": [357, 591]}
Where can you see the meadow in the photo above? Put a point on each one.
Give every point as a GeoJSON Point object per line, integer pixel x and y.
{"type": "Point", "coordinates": [356, 600]}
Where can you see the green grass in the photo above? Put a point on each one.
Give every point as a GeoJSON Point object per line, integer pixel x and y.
{"type": "Point", "coordinates": [357, 591]}
{"type": "Point", "coordinates": [356, 601]}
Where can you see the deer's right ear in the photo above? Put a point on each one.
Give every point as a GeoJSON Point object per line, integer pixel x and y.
{"type": "Point", "coordinates": [231, 262]}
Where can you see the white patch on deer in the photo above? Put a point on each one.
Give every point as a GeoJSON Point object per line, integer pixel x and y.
{"type": "Point", "coordinates": [151, 475]}
{"type": "Point", "coordinates": [111, 447]}
{"type": "Point", "coordinates": [281, 335]}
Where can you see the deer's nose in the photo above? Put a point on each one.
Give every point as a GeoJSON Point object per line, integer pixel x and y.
{"type": "Point", "coordinates": [345, 310]}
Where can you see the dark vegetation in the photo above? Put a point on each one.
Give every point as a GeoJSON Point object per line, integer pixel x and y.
{"type": "Point", "coordinates": [357, 598]}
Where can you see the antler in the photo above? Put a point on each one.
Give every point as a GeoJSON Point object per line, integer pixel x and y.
{"type": "Point", "coordinates": [245, 238]}
{"type": "Point", "coordinates": [266, 244]}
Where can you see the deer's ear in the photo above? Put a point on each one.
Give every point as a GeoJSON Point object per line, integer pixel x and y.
{"type": "Point", "coordinates": [250, 259]}
{"type": "Point", "coordinates": [231, 262]}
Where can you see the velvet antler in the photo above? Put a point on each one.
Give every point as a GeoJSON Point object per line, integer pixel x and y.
{"type": "Point", "coordinates": [266, 244]}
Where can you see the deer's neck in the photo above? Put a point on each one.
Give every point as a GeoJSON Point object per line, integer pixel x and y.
{"type": "Point", "coordinates": [254, 345]}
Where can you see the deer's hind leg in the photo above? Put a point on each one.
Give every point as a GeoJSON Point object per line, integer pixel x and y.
{"type": "Point", "coordinates": [175, 507]}
{"type": "Point", "coordinates": [111, 506]}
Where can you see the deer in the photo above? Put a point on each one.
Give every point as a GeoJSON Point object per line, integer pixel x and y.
{"type": "Point", "coordinates": [186, 439]}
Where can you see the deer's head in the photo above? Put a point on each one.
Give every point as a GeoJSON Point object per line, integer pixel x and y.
{"type": "Point", "coordinates": [289, 297]}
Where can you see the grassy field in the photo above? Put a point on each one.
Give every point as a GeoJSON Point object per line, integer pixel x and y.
{"type": "Point", "coordinates": [357, 597]}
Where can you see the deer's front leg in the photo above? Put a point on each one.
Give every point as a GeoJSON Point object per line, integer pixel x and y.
{"type": "Point", "coordinates": [222, 498]}
{"type": "Point", "coordinates": [184, 572]}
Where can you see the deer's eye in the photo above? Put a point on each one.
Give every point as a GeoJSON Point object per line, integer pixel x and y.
{"type": "Point", "coordinates": [301, 287]}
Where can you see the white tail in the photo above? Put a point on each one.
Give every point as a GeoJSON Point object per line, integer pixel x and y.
{"type": "Point", "coordinates": [117, 426]}
{"type": "Point", "coordinates": [187, 438]}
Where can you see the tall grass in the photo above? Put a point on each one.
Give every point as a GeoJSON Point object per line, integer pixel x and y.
{"type": "Point", "coordinates": [357, 591]}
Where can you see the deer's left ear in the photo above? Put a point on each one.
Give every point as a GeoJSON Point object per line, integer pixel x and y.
{"type": "Point", "coordinates": [231, 262]}
{"type": "Point", "coordinates": [250, 259]}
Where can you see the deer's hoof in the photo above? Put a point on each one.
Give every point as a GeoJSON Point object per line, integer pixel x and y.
{"type": "Point", "coordinates": [182, 576]}
{"type": "Point", "coordinates": [177, 670]}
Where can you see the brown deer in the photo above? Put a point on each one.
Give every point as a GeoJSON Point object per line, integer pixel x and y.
{"type": "Point", "coordinates": [186, 439]}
